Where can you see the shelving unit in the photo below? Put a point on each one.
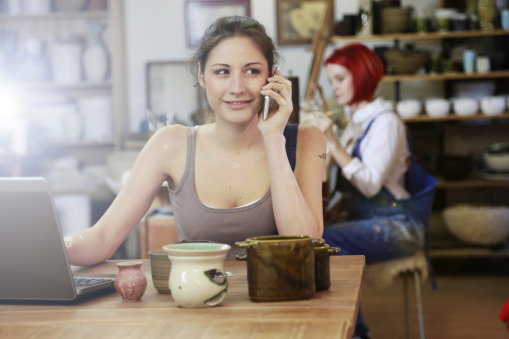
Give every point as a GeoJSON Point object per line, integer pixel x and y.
{"type": "Point", "coordinates": [472, 183]}
{"type": "Point", "coordinates": [421, 36]}
{"type": "Point", "coordinates": [454, 117]}
{"type": "Point", "coordinates": [45, 27]}
{"type": "Point", "coordinates": [445, 76]}
{"type": "Point", "coordinates": [77, 144]}
{"type": "Point", "coordinates": [50, 86]}
{"type": "Point", "coordinates": [57, 16]}
{"type": "Point", "coordinates": [445, 187]}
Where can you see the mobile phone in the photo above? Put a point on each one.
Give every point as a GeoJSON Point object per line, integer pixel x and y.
{"type": "Point", "coordinates": [267, 104]}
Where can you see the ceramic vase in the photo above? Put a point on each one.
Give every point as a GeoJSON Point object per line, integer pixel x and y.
{"type": "Point", "coordinates": [130, 281]}
{"type": "Point", "coordinates": [192, 278]}
{"type": "Point", "coordinates": [95, 56]}
{"type": "Point", "coordinates": [487, 10]}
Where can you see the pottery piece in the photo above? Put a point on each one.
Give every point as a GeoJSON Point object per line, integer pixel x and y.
{"type": "Point", "coordinates": [408, 108]}
{"type": "Point", "coordinates": [487, 10]}
{"type": "Point", "coordinates": [493, 105]}
{"type": "Point", "coordinates": [497, 162]}
{"type": "Point", "coordinates": [280, 267]}
{"type": "Point", "coordinates": [130, 281]}
{"type": "Point", "coordinates": [405, 61]}
{"type": "Point", "coordinates": [66, 59]}
{"type": "Point", "coordinates": [192, 277]}
{"type": "Point", "coordinates": [437, 107]}
{"type": "Point", "coordinates": [160, 266]}
{"type": "Point", "coordinates": [496, 157]}
{"type": "Point", "coordinates": [322, 265]}
{"type": "Point", "coordinates": [465, 106]}
{"type": "Point", "coordinates": [95, 55]}
{"type": "Point", "coordinates": [71, 5]}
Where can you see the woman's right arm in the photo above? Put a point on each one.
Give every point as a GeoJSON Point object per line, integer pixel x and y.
{"type": "Point", "coordinates": [151, 169]}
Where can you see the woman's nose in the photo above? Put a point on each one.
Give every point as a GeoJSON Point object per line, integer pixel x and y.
{"type": "Point", "coordinates": [237, 85]}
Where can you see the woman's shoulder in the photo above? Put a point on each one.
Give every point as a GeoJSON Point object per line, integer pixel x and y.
{"type": "Point", "coordinates": [309, 132]}
{"type": "Point", "coordinates": [171, 138]}
{"type": "Point", "coordinates": [388, 121]}
{"type": "Point", "coordinates": [310, 137]}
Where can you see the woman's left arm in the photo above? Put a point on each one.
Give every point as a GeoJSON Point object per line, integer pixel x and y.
{"type": "Point", "coordinates": [296, 196]}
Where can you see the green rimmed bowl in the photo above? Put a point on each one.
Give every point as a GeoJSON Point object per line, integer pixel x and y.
{"type": "Point", "coordinates": [196, 249]}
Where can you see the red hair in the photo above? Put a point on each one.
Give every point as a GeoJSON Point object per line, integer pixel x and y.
{"type": "Point", "coordinates": [366, 67]}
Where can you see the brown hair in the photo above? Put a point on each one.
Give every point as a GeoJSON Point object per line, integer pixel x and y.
{"type": "Point", "coordinates": [229, 27]}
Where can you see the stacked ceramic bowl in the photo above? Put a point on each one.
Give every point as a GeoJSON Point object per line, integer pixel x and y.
{"type": "Point", "coordinates": [493, 105]}
{"type": "Point", "coordinates": [496, 157]}
{"type": "Point", "coordinates": [437, 107]}
{"type": "Point", "coordinates": [405, 61]}
{"type": "Point", "coordinates": [409, 108]}
{"type": "Point", "coordinates": [396, 19]}
{"type": "Point", "coordinates": [465, 106]}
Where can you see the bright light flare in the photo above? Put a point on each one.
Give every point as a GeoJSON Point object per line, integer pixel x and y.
{"type": "Point", "coordinates": [9, 106]}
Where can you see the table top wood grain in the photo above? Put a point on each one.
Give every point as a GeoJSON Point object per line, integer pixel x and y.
{"type": "Point", "coordinates": [329, 314]}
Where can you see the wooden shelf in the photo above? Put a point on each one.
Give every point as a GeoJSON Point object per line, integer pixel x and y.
{"type": "Point", "coordinates": [454, 117]}
{"type": "Point", "coordinates": [421, 36]}
{"type": "Point", "coordinates": [77, 144]}
{"type": "Point", "coordinates": [55, 87]}
{"type": "Point", "coordinates": [56, 16]}
{"type": "Point", "coordinates": [467, 252]}
{"type": "Point", "coordinates": [472, 183]}
{"type": "Point", "coordinates": [445, 76]}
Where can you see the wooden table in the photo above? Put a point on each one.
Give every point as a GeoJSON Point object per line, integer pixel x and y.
{"type": "Point", "coordinates": [329, 314]}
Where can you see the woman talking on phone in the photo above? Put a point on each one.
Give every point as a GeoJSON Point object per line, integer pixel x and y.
{"type": "Point", "coordinates": [238, 177]}
{"type": "Point", "coordinates": [388, 196]}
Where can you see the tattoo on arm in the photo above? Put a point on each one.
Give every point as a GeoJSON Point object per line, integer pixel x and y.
{"type": "Point", "coordinates": [321, 156]}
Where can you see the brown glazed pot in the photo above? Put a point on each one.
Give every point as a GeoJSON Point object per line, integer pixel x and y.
{"type": "Point", "coordinates": [280, 267]}
{"type": "Point", "coordinates": [322, 265]}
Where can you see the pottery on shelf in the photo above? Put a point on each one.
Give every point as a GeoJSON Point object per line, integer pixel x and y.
{"type": "Point", "coordinates": [487, 10]}
{"type": "Point", "coordinates": [130, 281]}
{"type": "Point", "coordinates": [95, 55]}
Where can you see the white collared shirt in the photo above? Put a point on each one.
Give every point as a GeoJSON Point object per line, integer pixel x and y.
{"type": "Point", "coordinates": [384, 151]}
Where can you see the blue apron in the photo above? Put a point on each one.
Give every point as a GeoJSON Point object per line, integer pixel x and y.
{"type": "Point", "coordinates": [382, 227]}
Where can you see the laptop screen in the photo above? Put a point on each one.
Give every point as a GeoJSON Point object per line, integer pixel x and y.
{"type": "Point", "coordinates": [33, 262]}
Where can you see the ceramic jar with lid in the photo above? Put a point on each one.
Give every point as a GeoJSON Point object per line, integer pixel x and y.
{"type": "Point", "coordinates": [322, 265]}
{"type": "Point", "coordinates": [280, 267]}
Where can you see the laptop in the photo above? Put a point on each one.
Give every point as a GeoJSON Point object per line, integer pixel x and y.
{"type": "Point", "coordinates": [33, 258]}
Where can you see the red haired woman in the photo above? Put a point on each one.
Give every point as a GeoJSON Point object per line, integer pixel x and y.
{"type": "Point", "coordinates": [387, 195]}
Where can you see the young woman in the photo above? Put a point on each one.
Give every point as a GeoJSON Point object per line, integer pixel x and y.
{"type": "Point", "coordinates": [387, 195]}
{"type": "Point", "coordinates": [238, 177]}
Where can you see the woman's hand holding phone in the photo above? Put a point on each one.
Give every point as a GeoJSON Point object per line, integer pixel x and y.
{"type": "Point", "coordinates": [278, 114]}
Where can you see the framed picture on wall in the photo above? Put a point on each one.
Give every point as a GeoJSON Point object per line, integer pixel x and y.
{"type": "Point", "coordinates": [299, 20]}
{"type": "Point", "coordinates": [200, 14]}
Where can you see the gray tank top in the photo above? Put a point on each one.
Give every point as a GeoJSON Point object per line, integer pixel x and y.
{"type": "Point", "coordinates": [196, 221]}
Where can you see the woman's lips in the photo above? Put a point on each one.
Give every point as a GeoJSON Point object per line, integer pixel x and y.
{"type": "Point", "coordinates": [239, 104]}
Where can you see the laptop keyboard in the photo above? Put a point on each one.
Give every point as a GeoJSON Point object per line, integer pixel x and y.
{"type": "Point", "coordinates": [90, 281]}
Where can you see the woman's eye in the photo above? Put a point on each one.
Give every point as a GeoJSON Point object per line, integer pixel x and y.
{"type": "Point", "coordinates": [253, 71]}
{"type": "Point", "coordinates": [222, 72]}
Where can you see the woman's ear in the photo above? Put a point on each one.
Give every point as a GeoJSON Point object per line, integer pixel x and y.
{"type": "Point", "coordinates": [200, 77]}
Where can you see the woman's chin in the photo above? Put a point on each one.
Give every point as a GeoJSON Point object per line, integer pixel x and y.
{"type": "Point", "coordinates": [239, 117]}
